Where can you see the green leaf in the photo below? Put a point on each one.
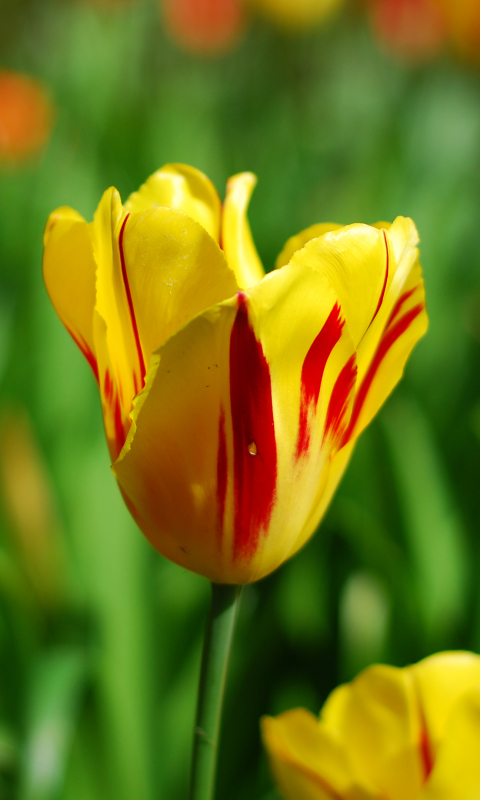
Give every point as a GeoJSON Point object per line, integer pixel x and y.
{"type": "Point", "coordinates": [58, 681]}
{"type": "Point", "coordinates": [433, 526]}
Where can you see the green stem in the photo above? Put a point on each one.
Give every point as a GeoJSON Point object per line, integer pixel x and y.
{"type": "Point", "coordinates": [216, 650]}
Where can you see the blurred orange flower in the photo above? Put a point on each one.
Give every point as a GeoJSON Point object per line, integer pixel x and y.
{"type": "Point", "coordinates": [26, 116]}
{"type": "Point", "coordinates": [463, 21]}
{"type": "Point", "coordinates": [204, 27]}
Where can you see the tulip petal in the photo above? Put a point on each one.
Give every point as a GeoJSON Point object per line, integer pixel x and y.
{"type": "Point", "coordinates": [183, 188]}
{"type": "Point", "coordinates": [175, 270]}
{"type": "Point", "coordinates": [401, 239]}
{"type": "Point", "coordinates": [456, 774]}
{"type": "Point", "coordinates": [338, 463]}
{"type": "Point", "coordinates": [223, 397]}
{"type": "Point", "coordinates": [308, 761]}
{"type": "Point", "coordinates": [441, 680]}
{"type": "Point", "coordinates": [69, 274]}
{"type": "Point", "coordinates": [407, 323]}
{"type": "Point", "coordinates": [356, 261]}
{"type": "Point", "coordinates": [377, 718]}
{"type": "Point", "coordinates": [114, 300]}
{"type": "Point", "coordinates": [116, 419]}
{"type": "Point", "coordinates": [237, 240]}
{"type": "Point", "coordinates": [300, 240]}
{"type": "Point", "coordinates": [169, 465]}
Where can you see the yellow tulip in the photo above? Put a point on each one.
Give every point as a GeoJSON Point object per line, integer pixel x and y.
{"type": "Point", "coordinates": [391, 734]}
{"type": "Point", "coordinates": [231, 399]}
{"type": "Point", "coordinates": [296, 14]}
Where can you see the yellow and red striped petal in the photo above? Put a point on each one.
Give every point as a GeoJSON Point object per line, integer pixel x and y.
{"type": "Point", "coordinates": [308, 761]}
{"type": "Point", "coordinates": [294, 316]}
{"type": "Point", "coordinates": [69, 273]}
{"type": "Point", "coordinates": [338, 463]}
{"type": "Point", "coordinates": [114, 300]}
{"type": "Point", "coordinates": [407, 323]}
{"type": "Point", "coordinates": [456, 773]}
{"type": "Point", "coordinates": [183, 188]}
{"type": "Point", "coordinates": [441, 680]}
{"type": "Point", "coordinates": [237, 241]}
{"type": "Point", "coordinates": [355, 259]}
{"type": "Point", "coordinates": [174, 270]}
{"type": "Point", "coordinates": [300, 240]}
{"type": "Point", "coordinates": [169, 466]}
{"type": "Point", "coordinates": [401, 239]}
{"type": "Point", "coordinates": [241, 400]}
{"type": "Point", "coordinates": [116, 418]}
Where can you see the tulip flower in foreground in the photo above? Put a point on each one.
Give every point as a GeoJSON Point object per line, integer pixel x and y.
{"type": "Point", "coordinates": [391, 734]}
{"type": "Point", "coordinates": [231, 399]}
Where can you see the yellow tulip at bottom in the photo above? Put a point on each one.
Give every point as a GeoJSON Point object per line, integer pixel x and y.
{"type": "Point", "coordinates": [391, 734]}
{"type": "Point", "coordinates": [231, 399]}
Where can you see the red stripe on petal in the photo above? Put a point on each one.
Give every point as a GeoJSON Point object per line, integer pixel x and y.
{"type": "Point", "coordinates": [385, 280]}
{"type": "Point", "coordinates": [91, 360]}
{"type": "Point", "coordinates": [338, 405]}
{"type": "Point", "coordinates": [425, 751]}
{"type": "Point", "coordinates": [392, 333]}
{"type": "Point", "coordinates": [120, 433]}
{"type": "Point", "coordinates": [131, 309]}
{"type": "Point", "coordinates": [312, 374]}
{"type": "Point", "coordinates": [113, 408]}
{"type": "Point", "coordinates": [83, 346]}
{"type": "Point", "coordinates": [400, 303]}
{"type": "Point", "coordinates": [254, 445]}
{"type": "Point", "coordinates": [222, 471]}
{"type": "Point", "coordinates": [108, 387]}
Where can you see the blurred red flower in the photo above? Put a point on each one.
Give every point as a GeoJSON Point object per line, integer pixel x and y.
{"type": "Point", "coordinates": [204, 27]}
{"type": "Point", "coordinates": [413, 29]}
{"type": "Point", "coordinates": [26, 116]}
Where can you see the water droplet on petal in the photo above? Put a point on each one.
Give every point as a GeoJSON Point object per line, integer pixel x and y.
{"type": "Point", "coordinates": [252, 448]}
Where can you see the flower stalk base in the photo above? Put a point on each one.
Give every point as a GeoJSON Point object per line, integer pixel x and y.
{"type": "Point", "coordinates": [216, 651]}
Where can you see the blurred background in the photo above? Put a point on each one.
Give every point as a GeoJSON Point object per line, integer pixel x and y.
{"type": "Point", "coordinates": [346, 111]}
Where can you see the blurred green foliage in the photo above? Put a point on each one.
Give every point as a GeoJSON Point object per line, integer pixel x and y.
{"type": "Point", "coordinates": [97, 686]}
